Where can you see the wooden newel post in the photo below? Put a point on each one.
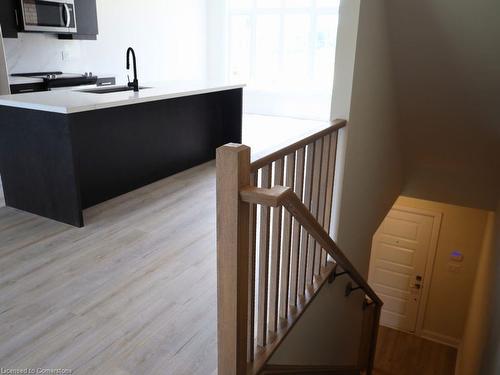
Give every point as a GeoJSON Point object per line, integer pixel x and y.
{"type": "Point", "coordinates": [233, 174]}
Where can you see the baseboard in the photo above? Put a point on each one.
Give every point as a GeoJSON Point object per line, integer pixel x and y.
{"type": "Point", "coordinates": [440, 338]}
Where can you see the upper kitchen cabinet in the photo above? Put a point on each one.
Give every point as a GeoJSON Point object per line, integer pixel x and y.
{"type": "Point", "coordinates": [9, 18]}
{"type": "Point", "coordinates": [86, 21]}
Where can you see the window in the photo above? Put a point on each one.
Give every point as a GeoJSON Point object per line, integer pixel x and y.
{"type": "Point", "coordinates": [284, 47]}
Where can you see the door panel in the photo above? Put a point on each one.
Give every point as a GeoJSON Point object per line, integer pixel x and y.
{"type": "Point", "coordinates": [396, 254]}
{"type": "Point", "coordinates": [401, 228]}
{"type": "Point", "coordinates": [399, 256]}
{"type": "Point", "coordinates": [385, 276]}
{"type": "Point", "coordinates": [396, 293]}
{"type": "Point", "coordinates": [397, 305]}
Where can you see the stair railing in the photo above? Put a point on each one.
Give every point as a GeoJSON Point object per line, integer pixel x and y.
{"type": "Point", "coordinates": [274, 252]}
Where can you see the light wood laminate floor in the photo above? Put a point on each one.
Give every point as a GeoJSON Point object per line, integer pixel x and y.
{"type": "Point", "coordinates": [399, 353]}
{"type": "Point", "coordinates": [132, 293]}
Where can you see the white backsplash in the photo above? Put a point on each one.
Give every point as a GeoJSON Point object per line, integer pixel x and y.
{"type": "Point", "coordinates": [170, 43]}
{"type": "Point", "coordinates": [44, 52]}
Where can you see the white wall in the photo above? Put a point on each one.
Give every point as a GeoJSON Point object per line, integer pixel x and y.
{"type": "Point", "coordinates": [217, 44]}
{"type": "Point", "coordinates": [447, 67]}
{"type": "Point", "coordinates": [169, 38]}
{"type": "Point", "coordinates": [372, 181]}
{"type": "Point", "coordinates": [373, 171]}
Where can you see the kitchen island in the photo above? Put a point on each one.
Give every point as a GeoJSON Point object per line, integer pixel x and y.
{"type": "Point", "coordinates": [64, 151]}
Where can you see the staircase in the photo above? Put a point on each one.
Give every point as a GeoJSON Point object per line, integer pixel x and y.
{"type": "Point", "coordinates": [275, 254]}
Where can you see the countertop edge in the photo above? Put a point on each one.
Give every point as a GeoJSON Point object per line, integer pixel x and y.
{"type": "Point", "coordinates": [119, 102]}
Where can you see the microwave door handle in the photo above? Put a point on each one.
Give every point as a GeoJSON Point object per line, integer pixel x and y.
{"type": "Point", "coordinates": [68, 20]}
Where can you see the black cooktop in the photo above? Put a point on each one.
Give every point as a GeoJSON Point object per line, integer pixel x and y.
{"type": "Point", "coordinates": [60, 79]}
{"type": "Point", "coordinates": [36, 74]}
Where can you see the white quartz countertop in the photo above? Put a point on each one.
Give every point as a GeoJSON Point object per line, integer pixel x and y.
{"type": "Point", "coordinates": [73, 101]}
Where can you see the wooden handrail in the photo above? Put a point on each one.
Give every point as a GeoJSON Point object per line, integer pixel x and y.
{"type": "Point", "coordinates": [284, 196]}
{"type": "Point", "coordinates": [257, 164]}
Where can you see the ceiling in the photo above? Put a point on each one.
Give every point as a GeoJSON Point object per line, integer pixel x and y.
{"type": "Point", "coordinates": [446, 61]}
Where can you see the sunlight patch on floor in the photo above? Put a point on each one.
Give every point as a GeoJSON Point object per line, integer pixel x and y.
{"type": "Point", "coordinates": [265, 134]}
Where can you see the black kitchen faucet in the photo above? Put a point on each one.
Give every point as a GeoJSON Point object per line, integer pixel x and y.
{"type": "Point", "coordinates": [135, 82]}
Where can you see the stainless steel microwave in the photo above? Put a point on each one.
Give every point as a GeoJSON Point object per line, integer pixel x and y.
{"type": "Point", "coordinates": [55, 16]}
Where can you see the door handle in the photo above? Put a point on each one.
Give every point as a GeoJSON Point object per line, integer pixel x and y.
{"type": "Point", "coordinates": [66, 10]}
{"type": "Point", "coordinates": [418, 282]}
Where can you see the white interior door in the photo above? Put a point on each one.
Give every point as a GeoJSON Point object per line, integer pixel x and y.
{"type": "Point", "coordinates": [397, 266]}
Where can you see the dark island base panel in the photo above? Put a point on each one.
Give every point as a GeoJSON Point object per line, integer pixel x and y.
{"type": "Point", "coordinates": [55, 165]}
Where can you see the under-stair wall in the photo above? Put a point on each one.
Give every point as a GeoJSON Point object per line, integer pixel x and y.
{"type": "Point", "coordinates": [333, 342]}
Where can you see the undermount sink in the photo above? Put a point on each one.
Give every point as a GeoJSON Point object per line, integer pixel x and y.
{"type": "Point", "coordinates": [109, 90]}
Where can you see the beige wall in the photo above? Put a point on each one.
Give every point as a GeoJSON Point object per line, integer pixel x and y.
{"type": "Point", "coordinates": [371, 182]}
{"type": "Point", "coordinates": [462, 229]}
{"type": "Point", "coordinates": [476, 328]}
{"type": "Point", "coordinates": [491, 355]}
